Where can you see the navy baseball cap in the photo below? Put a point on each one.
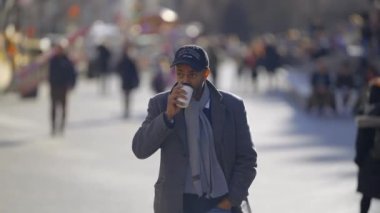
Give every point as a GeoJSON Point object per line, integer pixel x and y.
{"type": "Point", "coordinates": [192, 55]}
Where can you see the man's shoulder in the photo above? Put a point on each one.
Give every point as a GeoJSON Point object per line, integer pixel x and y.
{"type": "Point", "coordinates": [231, 100]}
{"type": "Point", "coordinates": [230, 97]}
{"type": "Point", "coordinates": [162, 96]}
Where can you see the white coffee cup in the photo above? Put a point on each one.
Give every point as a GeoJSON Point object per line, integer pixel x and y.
{"type": "Point", "coordinates": [189, 92]}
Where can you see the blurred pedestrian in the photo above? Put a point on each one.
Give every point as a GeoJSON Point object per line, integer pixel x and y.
{"type": "Point", "coordinates": [161, 74]}
{"type": "Point", "coordinates": [366, 73]}
{"type": "Point", "coordinates": [103, 58]}
{"type": "Point", "coordinates": [62, 78]}
{"type": "Point", "coordinates": [271, 61]}
{"type": "Point", "coordinates": [129, 76]}
{"type": "Point", "coordinates": [368, 148]}
{"type": "Point", "coordinates": [322, 96]}
{"type": "Point", "coordinates": [214, 62]}
{"type": "Point", "coordinates": [208, 160]}
{"type": "Point", "coordinates": [251, 61]}
{"type": "Point", "coordinates": [345, 91]}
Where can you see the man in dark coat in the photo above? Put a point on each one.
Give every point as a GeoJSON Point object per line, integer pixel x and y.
{"type": "Point", "coordinates": [271, 62]}
{"type": "Point", "coordinates": [368, 149]}
{"type": "Point", "coordinates": [208, 160]}
{"type": "Point", "coordinates": [129, 76]}
{"type": "Point", "coordinates": [62, 78]}
{"type": "Point", "coordinates": [102, 62]}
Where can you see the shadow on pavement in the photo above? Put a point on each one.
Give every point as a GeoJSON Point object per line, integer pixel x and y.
{"type": "Point", "coordinates": [105, 121]}
{"type": "Point", "coordinates": [312, 131]}
{"type": "Point", "coordinates": [11, 143]}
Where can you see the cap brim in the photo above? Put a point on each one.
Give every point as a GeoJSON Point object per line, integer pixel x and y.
{"type": "Point", "coordinates": [188, 63]}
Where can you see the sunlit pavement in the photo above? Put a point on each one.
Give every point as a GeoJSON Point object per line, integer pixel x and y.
{"type": "Point", "coordinates": [305, 162]}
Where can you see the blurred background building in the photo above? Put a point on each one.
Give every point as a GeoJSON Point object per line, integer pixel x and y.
{"type": "Point", "coordinates": [24, 23]}
{"type": "Point", "coordinates": [249, 16]}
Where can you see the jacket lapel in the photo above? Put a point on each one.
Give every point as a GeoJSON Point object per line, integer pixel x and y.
{"type": "Point", "coordinates": [218, 118]}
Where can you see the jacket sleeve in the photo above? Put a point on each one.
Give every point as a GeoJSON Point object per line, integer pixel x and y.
{"type": "Point", "coordinates": [364, 142]}
{"type": "Point", "coordinates": [152, 133]}
{"type": "Point", "coordinates": [244, 170]}
{"type": "Point", "coordinates": [72, 75]}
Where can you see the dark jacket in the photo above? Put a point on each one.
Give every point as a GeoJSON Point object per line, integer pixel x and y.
{"type": "Point", "coordinates": [345, 82]}
{"type": "Point", "coordinates": [61, 71]}
{"type": "Point", "coordinates": [272, 59]}
{"type": "Point", "coordinates": [103, 58]}
{"type": "Point", "coordinates": [233, 146]}
{"type": "Point", "coordinates": [320, 80]}
{"type": "Point", "coordinates": [128, 73]}
{"type": "Point", "coordinates": [367, 161]}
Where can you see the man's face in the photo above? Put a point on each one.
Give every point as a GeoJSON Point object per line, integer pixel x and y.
{"type": "Point", "coordinates": [186, 74]}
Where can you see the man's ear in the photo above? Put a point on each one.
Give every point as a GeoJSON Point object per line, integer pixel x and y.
{"type": "Point", "coordinates": [206, 72]}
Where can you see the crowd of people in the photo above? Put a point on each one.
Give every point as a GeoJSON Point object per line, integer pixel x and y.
{"type": "Point", "coordinates": [340, 63]}
{"type": "Point", "coordinates": [340, 60]}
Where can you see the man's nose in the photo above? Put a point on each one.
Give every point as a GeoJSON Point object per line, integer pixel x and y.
{"type": "Point", "coordinates": [186, 79]}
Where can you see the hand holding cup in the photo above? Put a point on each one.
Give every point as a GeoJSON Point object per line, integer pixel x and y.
{"type": "Point", "coordinates": [178, 99]}
{"type": "Point", "coordinates": [184, 102]}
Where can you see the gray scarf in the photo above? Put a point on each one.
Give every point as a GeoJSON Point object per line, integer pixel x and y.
{"type": "Point", "coordinates": [206, 174]}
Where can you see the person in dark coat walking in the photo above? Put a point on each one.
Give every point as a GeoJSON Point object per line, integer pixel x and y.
{"type": "Point", "coordinates": [368, 148]}
{"type": "Point", "coordinates": [62, 78]}
{"type": "Point", "coordinates": [208, 160]}
{"type": "Point", "coordinates": [271, 61]}
{"type": "Point", "coordinates": [103, 58]}
{"type": "Point", "coordinates": [129, 76]}
{"type": "Point", "coordinates": [160, 74]}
